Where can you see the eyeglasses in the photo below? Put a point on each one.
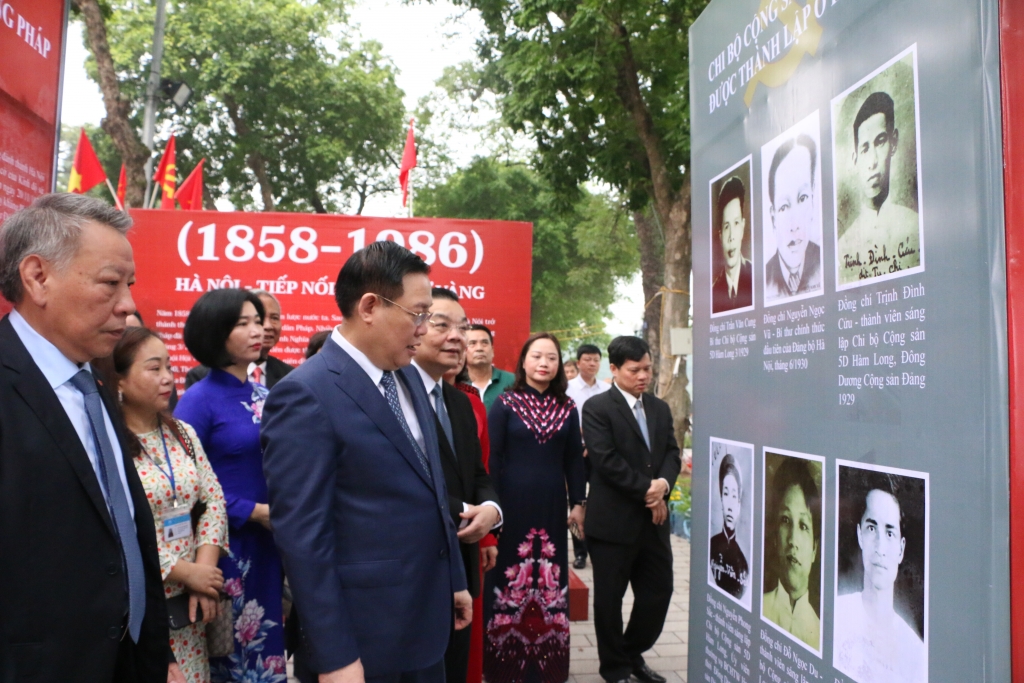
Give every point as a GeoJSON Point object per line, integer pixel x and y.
{"type": "Point", "coordinates": [417, 318]}
{"type": "Point", "coordinates": [443, 326]}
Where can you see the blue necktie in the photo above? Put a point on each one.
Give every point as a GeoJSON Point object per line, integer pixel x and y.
{"type": "Point", "coordinates": [117, 502]}
{"type": "Point", "coordinates": [638, 410]}
{"type": "Point", "coordinates": [391, 393]}
{"type": "Point", "coordinates": [442, 415]}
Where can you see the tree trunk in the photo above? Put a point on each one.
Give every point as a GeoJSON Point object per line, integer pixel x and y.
{"type": "Point", "coordinates": [672, 209]}
{"type": "Point", "coordinates": [257, 164]}
{"type": "Point", "coordinates": [116, 123]}
{"type": "Point", "coordinates": [652, 277]}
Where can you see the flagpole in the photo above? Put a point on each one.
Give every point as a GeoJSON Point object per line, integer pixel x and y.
{"type": "Point", "coordinates": [412, 193]}
{"type": "Point", "coordinates": [117, 202]}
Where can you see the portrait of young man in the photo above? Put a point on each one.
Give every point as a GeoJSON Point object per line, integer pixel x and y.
{"type": "Point", "coordinates": [881, 582]}
{"type": "Point", "coordinates": [791, 552]}
{"type": "Point", "coordinates": [791, 188]}
{"type": "Point", "coordinates": [732, 284]}
{"type": "Point", "coordinates": [875, 152]}
{"type": "Point", "coordinates": [729, 519]}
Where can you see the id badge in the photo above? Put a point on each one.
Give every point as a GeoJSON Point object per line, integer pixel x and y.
{"type": "Point", "coordinates": [177, 524]}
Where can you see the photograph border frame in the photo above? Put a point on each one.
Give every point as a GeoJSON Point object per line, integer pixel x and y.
{"type": "Point", "coordinates": [920, 267]}
{"type": "Point", "coordinates": [820, 653]}
{"type": "Point", "coordinates": [711, 477]}
{"type": "Point", "coordinates": [913, 474]}
{"type": "Point", "coordinates": [753, 246]}
{"type": "Point", "coordinates": [821, 214]}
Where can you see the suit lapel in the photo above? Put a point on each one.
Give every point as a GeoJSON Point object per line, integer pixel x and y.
{"type": "Point", "coordinates": [31, 385]}
{"type": "Point", "coordinates": [628, 415]}
{"type": "Point", "coordinates": [427, 418]}
{"type": "Point", "coordinates": [357, 385]}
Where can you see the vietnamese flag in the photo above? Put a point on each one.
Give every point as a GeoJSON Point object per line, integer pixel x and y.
{"type": "Point", "coordinates": [122, 187]}
{"type": "Point", "coordinates": [86, 170]}
{"type": "Point", "coordinates": [166, 176]}
{"type": "Point", "coordinates": [190, 194]}
{"type": "Point", "coordinates": [408, 162]}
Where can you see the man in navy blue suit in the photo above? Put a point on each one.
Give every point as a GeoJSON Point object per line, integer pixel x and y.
{"type": "Point", "coordinates": [358, 501]}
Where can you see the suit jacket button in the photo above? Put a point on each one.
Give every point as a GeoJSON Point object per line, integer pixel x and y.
{"type": "Point", "coordinates": [112, 569]}
{"type": "Point", "coordinates": [114, 632]}
{"type": "Point", "coordinates": [443, 553]}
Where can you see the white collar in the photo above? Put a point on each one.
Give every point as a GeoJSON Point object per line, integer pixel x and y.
{"type": "Point", "coordinates": [373, 372]}
{"type": "Point", "coordinates": [630, 398]}
{"type": "Point", "coordinates": [55, 366]}
{"type": "Point", "coordinates": [428, 382]}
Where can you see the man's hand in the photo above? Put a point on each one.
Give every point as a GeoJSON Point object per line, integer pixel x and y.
{"type": "Point", "coordinates": [174, 674]}
{"type": "Point", "coordinates": [463, 611]}
{"type": "Point", "coordinates": [659, 513]}
{"type": "Point", "coordinates": [577, 515]}
{"type": "Point", "coordinates": [488, 558]}
{"type": "Point", "coordinates": [481, 519]}
{"type": "Point", "coordinates": [658, 490]}
{"type": "Point", "coordinates": [353, 673]}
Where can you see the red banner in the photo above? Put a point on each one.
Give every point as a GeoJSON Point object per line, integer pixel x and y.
{"type": "Point", "coordinates": [181, 254]}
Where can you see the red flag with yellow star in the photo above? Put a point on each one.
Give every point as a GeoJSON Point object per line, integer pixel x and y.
{"type": "Point", "coordinates": [122, 187]}
{"type": "Point", "coordinates": [86, 170]}
{"type": "Point", "coordinates": [166, 176]}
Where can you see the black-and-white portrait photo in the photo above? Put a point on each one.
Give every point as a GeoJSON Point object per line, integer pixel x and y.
{"type": "Point", "coordinates": [730, 519]}
{"type": "Point", "coordinates": [877, 190]}
{"type": "Point", "coordinates": [881, 613]}
{"type": "Point", "coordinates": [732, 272]}
{"type": "Point", "coordinates": [791, 194]}
{"type": "Point", "coordinates": [791, 545]}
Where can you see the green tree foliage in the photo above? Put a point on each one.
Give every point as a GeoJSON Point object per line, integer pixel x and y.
{"type": "Point", "coordinates": [579, 253]}
{"type": "Point", "coordinates": [287, 106]}
{"type": "Point", "coordinates": [106, 152]}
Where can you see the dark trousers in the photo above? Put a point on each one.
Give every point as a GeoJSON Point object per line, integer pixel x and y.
{"type": "Point", "coordinates": [646, 565]}
{"type": "Point", "coordinates": [125, 670]}
{"type": "Point", "coordinates": [456, 657]}
{"type": "Point", "coordinates": [431, 674]}
{"type": "Point", "coordinates": [579, 545]}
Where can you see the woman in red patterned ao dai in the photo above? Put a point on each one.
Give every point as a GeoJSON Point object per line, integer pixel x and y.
{"type": "Point", "coordinates": [536, 457]}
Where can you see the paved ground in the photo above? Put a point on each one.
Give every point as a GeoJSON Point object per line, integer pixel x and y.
{"type": "Point", "coordinates": [668, 657]}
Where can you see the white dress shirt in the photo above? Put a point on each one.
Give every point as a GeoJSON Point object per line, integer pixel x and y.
{"type": "Point", "coordinates": [376, 374]}
{"type": "Point", "coordinates": [579, 391]}
{"type": "Point", "coordinates": [429, 383]}
{"type": "Point", "coordinates": [58, 370]}
{"type": "Point", "coordinates": [263, 372]}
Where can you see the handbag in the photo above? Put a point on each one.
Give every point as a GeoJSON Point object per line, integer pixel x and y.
{"type": "Point", "coordinates": [177, 612]}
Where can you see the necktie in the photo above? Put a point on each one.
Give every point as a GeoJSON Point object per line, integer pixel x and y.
{"type": "Point", "coordinates": [391, 393]}
{"type": "Point", "coordinates": [257, 375]}
{"type": "Point", "coordinates": [638, 410]}
{"type": "Point", "coordinates": [117, 502]}
{"type": "Point", "coordinates": [794, 281]}
{"type": "Point", "coordinates": [442, 415]}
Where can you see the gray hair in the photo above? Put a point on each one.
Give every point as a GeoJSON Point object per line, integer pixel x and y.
{"type": "Point", "coordinates": [51, 229]}
{"type": "Point", "coordinates": [263, 292]}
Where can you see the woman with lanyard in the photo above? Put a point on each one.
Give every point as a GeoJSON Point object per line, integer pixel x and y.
{"type": "Point", "coordinates": [177, 478]}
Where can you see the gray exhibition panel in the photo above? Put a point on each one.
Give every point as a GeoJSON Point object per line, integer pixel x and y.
{"type": "Point", "coordinates": [850, 471]}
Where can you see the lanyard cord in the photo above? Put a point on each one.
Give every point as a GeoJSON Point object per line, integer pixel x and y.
{"type": "Point", "coordinates": [169, 475]}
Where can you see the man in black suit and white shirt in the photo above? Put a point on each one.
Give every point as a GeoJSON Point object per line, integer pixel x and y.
{"type": "Point", "coordinates": [268, 370]}
{"type": "Point", "coordinates": [635, 459]}
{"type": "Point", "coordinates": [472, 500]}
{"type": "Point", "coordinates": [82, 598]}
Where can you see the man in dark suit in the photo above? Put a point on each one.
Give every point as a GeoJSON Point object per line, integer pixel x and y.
{"type": "Point", "coordinates": [268, 370]}
{"type": "Point", "coordinates": [358, 500]}
{"type": "Point", "coordinates": [734, 285]}
{"type": "Point", "coordinates": [83, 598]}
{"type": "Point", "coordinates": [472, 500]}
{"type": "Point", "coordinates": [636, 461]}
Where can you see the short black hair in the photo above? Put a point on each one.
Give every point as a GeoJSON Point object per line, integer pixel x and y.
{"type": "Point", "coordinates": [783, 151]}
{"type": "Point", "coordinates": [876, 103]}
{"type": "Point", "coordinates": [733, 189]}
{"type": "Point", "coordinates": [796, 472]}
{"type": "Point", "coordinates": [627, 348]}
{"type": "Point", "coordinates": [211, 321]}
{"type": "Point", "coordinates": [377, 268]}
{"type": "Point", "coordinates": [482, 328]}
{"type": "Point", "coordinates": [869, 481]}
{"type": "Point", "coordinates": [316, 342]}
{"type": "Point", "coordinates": [728, 466]}
{"type": "Point", "coordinates": [587, 348]}
{"type": "Point", "coordinates": [443, 293]}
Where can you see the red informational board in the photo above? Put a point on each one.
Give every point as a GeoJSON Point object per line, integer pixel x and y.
{"type": "Point", "coordinates": [1012, 59]}
{"type": "Point", "coordinates": [181, 254]}
{"type": "Point", "coordinates": [32, 37]}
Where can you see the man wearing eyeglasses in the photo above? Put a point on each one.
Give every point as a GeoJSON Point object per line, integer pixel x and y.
{"type": "Point", "coordinates": [358, 500]}
{"type": "Point", "coordinates": [472, 499]}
